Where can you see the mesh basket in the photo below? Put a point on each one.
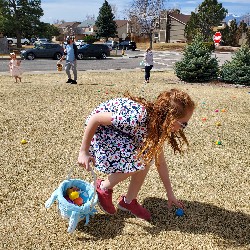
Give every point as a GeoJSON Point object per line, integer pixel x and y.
{"type": "Point", "coordinates": [70, 211]}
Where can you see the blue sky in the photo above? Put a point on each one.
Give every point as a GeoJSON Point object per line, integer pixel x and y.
{"type": "Point", "coordinates": [77, 10]}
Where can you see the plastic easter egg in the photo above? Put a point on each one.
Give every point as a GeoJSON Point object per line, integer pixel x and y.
{"type": "Point", "coordinates": [73, 195]}
{"type": "Point", "coordinates": [179, 212]}
{"type": "Point", "coordinates": [218, 124]}
{"type": "Point", "coordinates": [78, 201]}
{"type": "Point", "coordinates": [69, 190]}
{"type": "Point", "coordinates": [23, 141]}
{"type": "Point", "coordinates": [68, 199]}
{"type": "Point", "coordinates": [75, 188]}
{"type": "Point", "coordinates": [218, 143]}
{"type": "Point", "coordinates": [217, 110]}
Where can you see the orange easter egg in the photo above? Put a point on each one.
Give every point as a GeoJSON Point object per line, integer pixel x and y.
{"type": "Point", "coordinates": [78, 201]}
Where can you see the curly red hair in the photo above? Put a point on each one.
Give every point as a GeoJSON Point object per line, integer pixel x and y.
{"type": "Point", "coordinates": [162, 113]}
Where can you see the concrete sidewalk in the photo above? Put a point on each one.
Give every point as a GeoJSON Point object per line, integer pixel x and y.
{"type": "Point", "coordinates": [7, 56]}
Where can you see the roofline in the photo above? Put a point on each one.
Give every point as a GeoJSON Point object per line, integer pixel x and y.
{"type": "Point", "coordinates": [177, 19]}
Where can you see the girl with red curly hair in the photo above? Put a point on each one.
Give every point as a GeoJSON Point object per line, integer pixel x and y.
{"type": "Point", "coordinates": [123, 136]}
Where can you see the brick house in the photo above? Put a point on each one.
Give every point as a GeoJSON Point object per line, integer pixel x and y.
{"type": "Point", "coordinates": [67, 29]}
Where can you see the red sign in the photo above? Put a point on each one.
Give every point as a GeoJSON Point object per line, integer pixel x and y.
{"type": "Point", "coordinates": [217, 38]}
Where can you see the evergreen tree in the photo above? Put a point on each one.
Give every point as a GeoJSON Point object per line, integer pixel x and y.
{"type": "Point", "coordinates": [209, 14]}
{"type": "Point", "coordinates": [248, 37]}
{"type": "Point", "coordinates": [226, 36]}
{"type": "Point", "coordinates": [192, 27]}
{"type": "Point", "coordinates": [105, 22]}
{"type": "Point", "coordinates": [20, 17]}
{"type": "Point", "coordinates": [242, 28]}
{"type": "Point", "coordinates": [197, 64]}
{"type": "Point", "coordinates": [233, 32]}
{"type": "Point", "coordinates": [238, 69]}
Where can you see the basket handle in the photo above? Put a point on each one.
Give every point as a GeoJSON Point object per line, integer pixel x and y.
{"type": "Point", "coordinates": [94, 182]}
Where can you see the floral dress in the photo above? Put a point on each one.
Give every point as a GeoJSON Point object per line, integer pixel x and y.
{"type": "Point", "coordinates": [15, 69]}
{"type": "Point", "coordinates": [114, 147]}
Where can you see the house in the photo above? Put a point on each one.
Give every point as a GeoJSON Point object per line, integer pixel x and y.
{"type": "Point", "coordinates": [66, 29]}
{"type": "Point", "coordinates": [86, 28]}
{"type": "Point", "coordinates": [171, 28]}
{"type": "Point", "coordinates": [123, 29]}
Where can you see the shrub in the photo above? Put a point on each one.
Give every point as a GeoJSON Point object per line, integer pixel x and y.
{"type": "Point", "coordinates": [210, 45]}
{"type": "Point", "coordinates": [89, 39]}
{"type": "Point", "coordinates": [197, 64]}
{"type": "Point", "coordinates": [237, 70]}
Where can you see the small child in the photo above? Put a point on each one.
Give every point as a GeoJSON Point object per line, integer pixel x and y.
{"type": "Point", "coordinates": [15, 69]}
{"type": "Point", "coordinates": [149, 63]}
{"type": "Point", "coordinates": [124, 136]}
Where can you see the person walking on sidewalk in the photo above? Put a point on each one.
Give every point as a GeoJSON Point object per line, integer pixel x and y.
{"type": "Point", "coordinates": [70, 53]}
{"type": "Point", "coordinates": [123, 136]}
{"type": "Point", "coordinates": [148, 62]}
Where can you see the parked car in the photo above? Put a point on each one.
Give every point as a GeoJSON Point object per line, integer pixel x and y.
{"type": "Point", "coordinates": [41, 40]}
{"type": "Point", "coordinates": [127, 45]}
{"type": "Point", "coordinates": [44, 50]}
{"type": "Point", "coordinates": [79, 43]}
{"type": "Point", "coordinates": [14, 40]}
{"type": "Point", "coordinates": [111, 44]}
{"type": "Point", "coordinates": [100, 51]}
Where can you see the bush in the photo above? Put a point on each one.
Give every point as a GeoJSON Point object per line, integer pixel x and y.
{"type": "Point", "coordinates": [210, 45]}
{"type": "Point", "coordinates": [237, 71]}
{"type": "Point", "coordinates": [89, 39]}
{"type": "Point", "coordinates": [197, 64]}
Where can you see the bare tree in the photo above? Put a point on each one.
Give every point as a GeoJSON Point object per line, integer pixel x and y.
{"type": "Point", "coordinates": [145, 15]}
{"type": "Point", "coordinates": [114, 10]}
{"type": "Point", "coordinates": [246, 19]}
{"type": "Point", "coordinates": [90, 17]}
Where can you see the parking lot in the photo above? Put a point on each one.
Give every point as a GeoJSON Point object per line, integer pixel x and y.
{"type": "Point", "coordinates": [163, 60]}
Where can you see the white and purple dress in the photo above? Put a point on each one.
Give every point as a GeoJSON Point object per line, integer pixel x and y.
{"type": "Point", "coordinates": [114, 147]}
{"type": "Point", "coordinates": [15, 68]}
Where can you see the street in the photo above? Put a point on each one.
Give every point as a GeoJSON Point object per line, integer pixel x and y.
{"type": "Point", "coordinates": [163, 60]}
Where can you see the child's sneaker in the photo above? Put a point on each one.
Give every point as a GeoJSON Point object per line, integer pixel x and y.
{"type": "Point", "coordinates": [105, 199]}
{"type": "Point", "coordinates": [134, 208]}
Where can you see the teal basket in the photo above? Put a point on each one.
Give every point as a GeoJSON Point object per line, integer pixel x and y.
{"type": "Point", "coordinates": [70, 211]}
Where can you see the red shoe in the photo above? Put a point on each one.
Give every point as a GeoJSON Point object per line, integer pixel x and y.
{"type": "Point", "coordinates": [105, 199]}
{"type": "Point", "coordinates": [134, 208]}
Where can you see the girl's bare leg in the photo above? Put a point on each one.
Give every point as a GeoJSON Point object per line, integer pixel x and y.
{"type": "Point", "coordinates": [114, 179]}
{"type": "Point", "coordinates": [137, 179]}
{"type": "Point", "coordinates": [135, 185]}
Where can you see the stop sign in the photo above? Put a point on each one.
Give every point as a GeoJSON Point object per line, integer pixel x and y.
{"type": "Point", "coordinates": [217, 38]}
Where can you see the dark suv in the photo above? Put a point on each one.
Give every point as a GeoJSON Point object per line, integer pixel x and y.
{"type": "Point", "coordinates": [44, 50]}
{"type": "Point", "coordinates": [127, 45]}
{"type": "Point", "coordinates": [100, 51]}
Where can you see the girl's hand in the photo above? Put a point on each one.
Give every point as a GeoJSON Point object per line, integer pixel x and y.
{"type": "Point", "coordinates": [173, 201]}
{"type": "Point", "coordinates": [84, 159]}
